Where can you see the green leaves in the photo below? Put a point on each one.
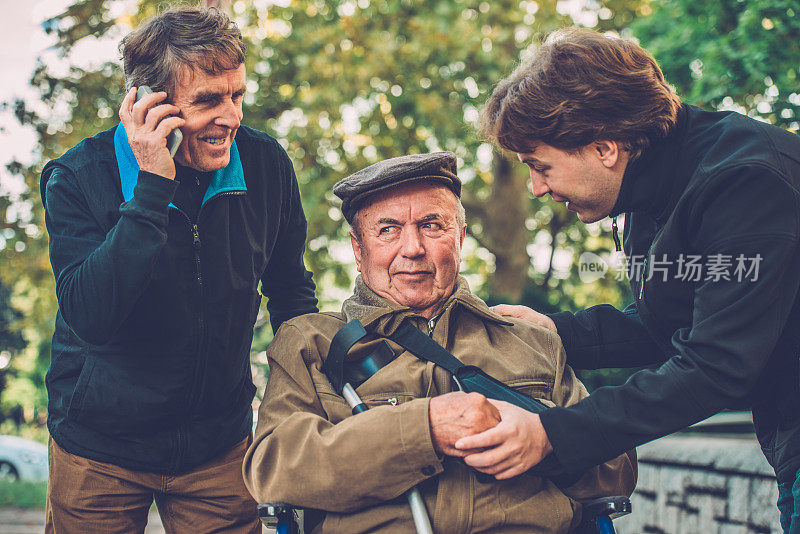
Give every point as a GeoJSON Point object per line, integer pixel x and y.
{"type": "Point", "coordinates": [344, 84]}
{"type": "Point", "coordinates": [733, 54]}
{"type": "Point", "coordinates": [347, 84]}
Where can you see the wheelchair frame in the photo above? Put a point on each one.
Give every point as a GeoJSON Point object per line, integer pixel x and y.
{"type": "Point", "coordinates": [598, 515]}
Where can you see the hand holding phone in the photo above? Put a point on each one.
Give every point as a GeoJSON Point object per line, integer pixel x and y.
{"type": "Point", "coordinates": [152, 129]}
{"type": "Point", "coordinates": [175, 137]}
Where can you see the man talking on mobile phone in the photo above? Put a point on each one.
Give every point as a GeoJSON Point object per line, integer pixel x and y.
{"type": "Point", "coordinates": [157, 264]}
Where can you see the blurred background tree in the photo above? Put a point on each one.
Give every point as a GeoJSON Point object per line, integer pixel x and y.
{"type": "Point", "coordinates": [742, 55]}
{"type": "Point", "coordinates": [342, 84]}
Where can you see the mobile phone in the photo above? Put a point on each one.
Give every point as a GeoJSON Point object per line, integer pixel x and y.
{"type": "Point", "coordinates": [175, 137]}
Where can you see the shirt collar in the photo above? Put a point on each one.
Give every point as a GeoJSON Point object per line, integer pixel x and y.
{"type": "Point", "coordinates": [229, 178]}
{"type": "Point", "coordinates": [649, 181]}
{"type": "Point", "coordinates": [369, 307]}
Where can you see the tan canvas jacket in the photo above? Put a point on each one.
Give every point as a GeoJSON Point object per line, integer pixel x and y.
{"type": "Point", "coordinates": [310, 451]}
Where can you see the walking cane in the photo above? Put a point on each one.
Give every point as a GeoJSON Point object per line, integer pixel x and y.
{"type": "Point", "coordinates": [333, 367]}
{"type": "Point", "coordinates": [421, 521]}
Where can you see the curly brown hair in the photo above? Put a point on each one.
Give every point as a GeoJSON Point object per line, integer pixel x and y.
{"type": "Point", "coordinates": [578, 87]}
{"type": "Point", "coordinates": [207, 39]}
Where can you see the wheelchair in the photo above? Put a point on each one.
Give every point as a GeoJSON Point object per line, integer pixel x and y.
{"type": "Point", "coordinates": [598, 515]}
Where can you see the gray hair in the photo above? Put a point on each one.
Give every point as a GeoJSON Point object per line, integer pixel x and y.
{"type": "Point", "coordinates": [153, 53]}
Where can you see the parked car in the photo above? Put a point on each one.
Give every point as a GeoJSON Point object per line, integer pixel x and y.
{"type": "Point", "coordinates": [22, 459]}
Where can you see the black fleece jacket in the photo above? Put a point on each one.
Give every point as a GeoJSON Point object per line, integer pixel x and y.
{"type": "Point", "coordinates": [723, 191]}
{"type": "Point", "coordinates": [150, 365]}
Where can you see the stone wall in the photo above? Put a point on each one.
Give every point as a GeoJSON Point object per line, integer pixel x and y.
{"type": "Point", "coordinates": [708, 485]}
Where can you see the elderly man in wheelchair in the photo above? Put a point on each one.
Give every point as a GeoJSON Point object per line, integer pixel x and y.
{"type": "Point", "coordinates": [364, 408]}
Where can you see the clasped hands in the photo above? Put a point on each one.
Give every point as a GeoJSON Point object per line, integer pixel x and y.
{"type": "Point", "coordinates": [494, 437]}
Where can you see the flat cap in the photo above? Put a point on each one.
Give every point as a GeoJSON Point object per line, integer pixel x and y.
{"type": "Point", "coordinates": [438, 167]}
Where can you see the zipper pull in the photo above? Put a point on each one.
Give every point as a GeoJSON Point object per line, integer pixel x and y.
{"type": "Point", "coordinates": [195, 237]}
{"type": "Point", "coordinates": [615, 235]}
{"type": "Point", "coordinates": [644, 277]}
{"type": "Point", "coordinates": [431, 325]}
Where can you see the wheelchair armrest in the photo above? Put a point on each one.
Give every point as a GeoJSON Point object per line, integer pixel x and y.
{"type": "Point", "coordinates": [280, 516]}
{"type": "Point", "coordinates": [611, 507]}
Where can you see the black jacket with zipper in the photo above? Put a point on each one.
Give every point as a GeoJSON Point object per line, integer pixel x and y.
{"type": "Point", "coordinates": [721, 190]}
{"type": "Point", "coordinates": [150, 365]}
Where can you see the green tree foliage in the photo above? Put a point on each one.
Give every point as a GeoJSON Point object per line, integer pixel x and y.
{"type": "Point", "coordinates": [346, 84]}
{"type": "Point", "coordinates": [730, 54]}
{"type": "Point", "coordinates": [80, 102]}
{"type": "Point", "coordinates": [11, 340]}
{"type": "Point", "coordinates": [343, 84]}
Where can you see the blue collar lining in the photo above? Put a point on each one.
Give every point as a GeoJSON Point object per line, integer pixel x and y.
{"type": "Point", "coordinates": [229, 178]}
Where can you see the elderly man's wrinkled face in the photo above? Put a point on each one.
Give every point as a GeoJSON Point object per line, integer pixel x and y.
{"type": "Point", "coordinates": [212, 107]}
{"type": "Point", "coordinates": [409, 249]}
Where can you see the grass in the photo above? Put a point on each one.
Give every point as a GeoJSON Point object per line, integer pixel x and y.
{"type": "Point", "coordinates": [22, 494]}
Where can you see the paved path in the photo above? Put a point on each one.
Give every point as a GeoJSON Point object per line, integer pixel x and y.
{"type": "Point", "coordinates": [15, 521]}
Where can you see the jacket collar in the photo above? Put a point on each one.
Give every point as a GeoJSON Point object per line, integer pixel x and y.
{"type": "Point", "coordinates": [373, 310]}
{"type": "Point", "coordinates": [229, 178]}
{"type": "Point", "coordinates": [649, 183]}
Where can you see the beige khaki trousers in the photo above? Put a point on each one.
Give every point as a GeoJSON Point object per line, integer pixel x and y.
{"type": "Point", "coordinates": [88, 496]}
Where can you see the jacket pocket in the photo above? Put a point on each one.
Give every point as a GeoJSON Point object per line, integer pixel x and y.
{"type": "Point", "coordinates": [539, 389]}
{"type": "Point", "coordinates": [125, 399]}
{"type": "Point", "coordinates": [337, 409]}
{"type": "Point", "coordinates": [388, 399]}
{"type": "Point", "coordinates": [76, 403]}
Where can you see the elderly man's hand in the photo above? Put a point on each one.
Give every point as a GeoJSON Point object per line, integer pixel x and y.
{"type": "Point", "coordinates": [456, 415]}
{"type": "Point", "coordinates": [147, 124]}
{"type": "Point", "coordinates": [525, 314]}
{"type": "Point", "coordinates": [515, 445]}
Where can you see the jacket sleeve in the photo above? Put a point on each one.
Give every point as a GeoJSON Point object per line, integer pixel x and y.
{"type": "Point", "coordinates": [616, 476]}
{"type": "Point", "coordinates": [301, 458]}
{"type": "Point", "coordinates": [718, 359]}
{"type": "Point", "coordinates": [286, 282]}
{"type": "Point", "coordinates": [603, 336]}
{"type": "Point", "coordinates": [99, 275]}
